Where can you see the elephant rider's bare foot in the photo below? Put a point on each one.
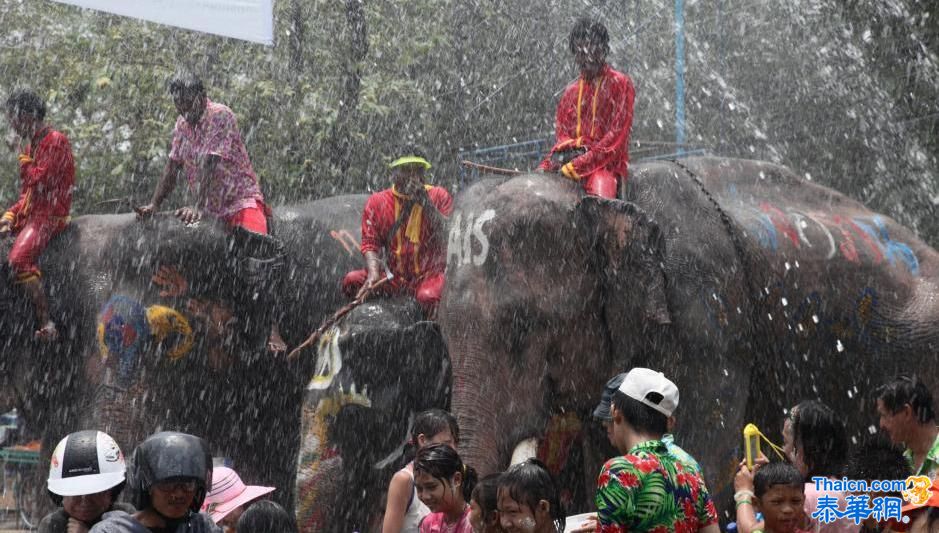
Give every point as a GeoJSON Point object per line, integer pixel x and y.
{"type": "Point", "coordinates": [275, 343]}
{"type": "Point", "coordinates": [47, 333]}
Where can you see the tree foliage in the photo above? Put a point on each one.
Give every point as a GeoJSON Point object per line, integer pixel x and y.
{"type": "Point", "coordinates": [841, 90]}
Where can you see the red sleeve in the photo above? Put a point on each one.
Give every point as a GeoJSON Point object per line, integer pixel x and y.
{"type": "Point", "coordinates": [605, 149]}
{"type": "Point", "coordinates": [372, 237]}
{"type": "Point", "coordinates": [565, 122]}
{"type": "Point", "coordinates": [442, 201]}
{"type": "Point", "coordinates": [52, 164]}
{"type": "Point", "coordinates": [14, 210]}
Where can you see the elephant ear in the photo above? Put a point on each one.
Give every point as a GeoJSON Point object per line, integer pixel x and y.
{"type": "Point", "coordinates": [630, 250]}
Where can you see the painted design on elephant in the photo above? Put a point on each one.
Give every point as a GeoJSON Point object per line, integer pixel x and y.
{"type": "Point", "coordinates": [465, 228]}
{"type": "Point", "coordinates": [892, 250]}
{"type": "Point", "coordinates": [862, 323]}
{"type": "Point", "coordinates": [125, 327]}
{"type": "Point", "coordinates": [315, 451]}
{"type": "Point", "coordinates": [347, 240]}
{"type": "Point", "coordinates": [769, 223]}
{"type": "Point", "coordinates": [714, 306]}
{"type": "Point", "coordinates": [328, 360]}
{"type": "Point", "coordinates": [217, 319]}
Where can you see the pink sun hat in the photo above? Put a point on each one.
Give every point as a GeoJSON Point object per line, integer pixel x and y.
{"type": "Point", "coordinates": [228, 492]}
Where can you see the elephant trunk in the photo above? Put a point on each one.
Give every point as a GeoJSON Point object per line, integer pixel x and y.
{"type": "Point", "coordinates": [474, 405]}
{"type": "Point", "coordinates": [121, 414]}
{"type": "Point", "coordinates": [497, 398]}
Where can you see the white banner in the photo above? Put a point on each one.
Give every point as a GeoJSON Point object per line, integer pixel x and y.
{"type": "Point", "coordinates": [251, 20]}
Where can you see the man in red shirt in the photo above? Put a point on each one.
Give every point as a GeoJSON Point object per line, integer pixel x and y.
{"type": "Point", "coordinates": [407, 224]}
{"type": "Point", "coordinates": [594, 117]}
{"type": "Point", "coordinates": [47, 175]}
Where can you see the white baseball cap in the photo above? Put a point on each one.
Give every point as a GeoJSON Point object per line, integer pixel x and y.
{"type": "Point", "coordinates": [639, 382]}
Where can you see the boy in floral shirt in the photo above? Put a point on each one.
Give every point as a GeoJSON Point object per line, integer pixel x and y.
{"type": "Point", "coordinates": [649, 489]}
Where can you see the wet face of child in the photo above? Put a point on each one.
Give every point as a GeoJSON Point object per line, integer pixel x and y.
{"type": "Point", "coordinates": [438, 495]}
{"type": "Point", "coordinates": [518, 517]}
{"type": "Point", "coordinates": [479, 523]}
{"type": "Point", "coordinates": [782, 506]}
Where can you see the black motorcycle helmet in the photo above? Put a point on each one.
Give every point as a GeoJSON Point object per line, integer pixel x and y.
{"type": "Point", "coordinates": [170, 455]}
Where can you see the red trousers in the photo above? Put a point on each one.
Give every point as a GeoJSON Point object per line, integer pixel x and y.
{"type": "Point", "coordinates": [253, 219]}
{"type": "Point", "coordinates": [29, 245]}
{"type": "Point", "coordinates": [426, 290]}
{"type": "Point", "coordinates": [602, 183]}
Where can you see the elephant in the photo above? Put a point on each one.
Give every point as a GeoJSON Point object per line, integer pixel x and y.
{"type": "Point", "coordinates": [164, 326]}
{"type": "Point", "coordinates": [364, 399]}
{"type": "Point", "coordinates": [750, 287]}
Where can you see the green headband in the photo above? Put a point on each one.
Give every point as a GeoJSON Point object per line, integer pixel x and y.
{"type": "Point", "coordinates": [409, 160]}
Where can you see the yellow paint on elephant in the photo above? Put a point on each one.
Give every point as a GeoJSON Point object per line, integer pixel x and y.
{"type": "Point", "coordinates": [315, 448]}
{"type": "Point", "coordinates": [164, 321]}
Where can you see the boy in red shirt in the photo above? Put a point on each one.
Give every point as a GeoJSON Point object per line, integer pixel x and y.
{"type": "Point", "coordinates": [47, 175]}
{"type": "Point", "coordinates": [594, 117]}
{"type": "Point", "coordinates": [407, 223]}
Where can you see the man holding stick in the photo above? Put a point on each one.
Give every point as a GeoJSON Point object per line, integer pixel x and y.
{"type": "Point", "coordinates": [407, 223]}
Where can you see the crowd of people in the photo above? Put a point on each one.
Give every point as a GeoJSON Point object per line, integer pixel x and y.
{"type": "Point", "coordinates": [173, 488]}
{"type": "Point", "coordinates": [653, 485]}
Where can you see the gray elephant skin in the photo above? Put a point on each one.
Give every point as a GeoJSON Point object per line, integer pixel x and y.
{"type": "Point", "coordinates": [110, 370]}
{"type": "Point", "coordinates": [747, 285]}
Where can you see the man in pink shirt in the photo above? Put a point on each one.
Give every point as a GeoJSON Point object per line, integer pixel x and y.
{"type": "Point", "coordinates": [208, 149]}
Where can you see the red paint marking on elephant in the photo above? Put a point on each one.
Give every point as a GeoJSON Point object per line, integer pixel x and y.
{"type": "Point", "coordinates": [874, 247]}
{"type": "Point", "coordinates": [847, 247]}
{"type": "Point", "coordinates": [781, 222]}
{"type": "Point", "coordinates": [346, 240]}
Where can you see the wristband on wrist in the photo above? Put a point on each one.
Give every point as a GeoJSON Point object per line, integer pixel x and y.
{"type": "Point", "coordinates": [742, 503]}
{"type": "Point", "coordinates": [742, 495]}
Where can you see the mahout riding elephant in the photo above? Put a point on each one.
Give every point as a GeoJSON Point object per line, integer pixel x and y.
{"type": "Point", "coordinates": [165, 326]}
{"type": "Point", "coordinates": [750, 287]}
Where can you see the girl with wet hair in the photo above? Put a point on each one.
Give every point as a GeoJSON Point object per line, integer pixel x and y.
{"type": "Point", "coordinates": [484, 503]}
{"type": "Point", "coordinates": [529, 499]}
{"type": "Point", "coordinates": [444, 484]}
{"type": "Point", "coordinates": [404, 510]}
{"type": "Point", "coordinates": [816, 440]}
{"type": "Point", "coordinates": [266, 516]}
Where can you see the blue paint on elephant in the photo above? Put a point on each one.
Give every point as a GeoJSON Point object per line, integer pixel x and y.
{"type": "Point", "coordinates": [122, 331]}
{"type": "Point", "coordinates": [892, 249]}
{"type": "Point", "coordinates": [766, 231]}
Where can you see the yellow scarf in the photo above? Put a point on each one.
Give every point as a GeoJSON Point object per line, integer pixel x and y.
{"type": "Point", "coordinates": [412, 230]}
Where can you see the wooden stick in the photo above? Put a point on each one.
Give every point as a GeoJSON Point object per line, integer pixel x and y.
{"type": "Point", "coordinates": [492, 170]}
{"type": "Point", "coordinates": [337, 316]}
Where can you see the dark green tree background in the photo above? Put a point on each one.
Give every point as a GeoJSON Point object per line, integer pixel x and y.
{"type": "Point", "coordinates": [843, 91]}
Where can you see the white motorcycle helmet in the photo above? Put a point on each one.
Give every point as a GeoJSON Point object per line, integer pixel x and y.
{"type": "Point", "coordinates": [86, 462]}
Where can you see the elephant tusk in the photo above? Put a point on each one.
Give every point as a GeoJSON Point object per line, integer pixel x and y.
{"type": "Point", "coordinates": [399, 451]}
{"type": "Point", "coordinates": [524, 450]}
